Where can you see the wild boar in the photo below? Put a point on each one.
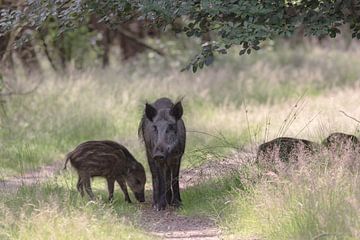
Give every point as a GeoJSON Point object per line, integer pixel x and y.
{"type": "Point", "coordinates": [110, 160]}
{"type": "Point", "coordinates": [163, 132]}
{"type": "Point", "coordinates": [285, 147]}
{"type": "Point", "coordinates": [341, 142]}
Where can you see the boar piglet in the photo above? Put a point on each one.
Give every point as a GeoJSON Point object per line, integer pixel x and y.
{"type": "Point", "coordinates": [110, 160]}
{"type": "Point", "coordinates": [285, 147]}
{"type": "Point", "coordinates": [341, 142]}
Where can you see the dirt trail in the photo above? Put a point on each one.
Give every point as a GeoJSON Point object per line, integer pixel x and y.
{"type": "Point", "coordinates": [214, 169]}
{"type": "Point", "coordinates": [165, 224]}
{"type": "Point", "coordinates": [169, 225]}
{"type": "Point", "coordinates": [40, 175]}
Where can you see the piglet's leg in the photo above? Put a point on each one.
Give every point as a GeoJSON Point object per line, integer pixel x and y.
{"type": "Point", "coordinates": [122, 184]}
{"type": "Point", "coordinates": [110, 183]}
{"type": "Point", "coordinates": [87, 185]}
{"type": "Point", "coordinates": [80, 187]}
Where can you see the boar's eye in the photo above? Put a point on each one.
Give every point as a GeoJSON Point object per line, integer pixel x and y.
{"type": "Point", "coordinates": [172, 127]}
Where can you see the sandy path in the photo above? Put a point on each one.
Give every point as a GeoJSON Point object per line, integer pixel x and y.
{"type": "Point", "coordinates": [169, 225]}
{"type": "Point", "coordinates": [40, 175]}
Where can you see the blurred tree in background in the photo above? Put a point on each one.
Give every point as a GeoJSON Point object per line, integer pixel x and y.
{"type": "Point", "coordinates": [76, 31]}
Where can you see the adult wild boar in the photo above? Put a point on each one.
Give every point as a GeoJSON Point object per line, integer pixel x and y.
{"type": "Point", "coordinates": [163, 132]}
{"type": "Point", "coordinates": [110, 160]}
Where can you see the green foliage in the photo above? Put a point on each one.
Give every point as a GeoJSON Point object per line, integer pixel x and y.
{"type": "Point", "coordinates": [77, 45]}
{"type": "Point", "coordinates": [234, 22]}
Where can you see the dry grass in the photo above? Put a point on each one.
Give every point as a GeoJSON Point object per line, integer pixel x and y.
{"type": "Point", "coordinates": [313, 197]}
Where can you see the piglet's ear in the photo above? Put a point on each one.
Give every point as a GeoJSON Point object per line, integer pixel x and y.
{"type": "Point", "coordinates": [177, 110]}
{"type": "Point", "coordinates": [150, 111]}
{"type": "Point", "coordinates": [133, 166]}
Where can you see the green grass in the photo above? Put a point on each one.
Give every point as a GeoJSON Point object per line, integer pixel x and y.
{"type": "Point", "coordinates": [211, 198]}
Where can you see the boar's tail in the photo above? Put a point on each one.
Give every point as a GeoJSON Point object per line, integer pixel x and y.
{"type": "Point", "coordinates": [66, 161]}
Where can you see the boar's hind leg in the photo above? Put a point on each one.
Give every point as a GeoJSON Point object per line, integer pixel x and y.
{"type": "Point", "coordinates": [87, 185]}
{"type": "Point", "coordinates": [110, 183]}
{"type": "Point", "coordinates": [80, 187]}
{"type": "Point", "coordinates": [176, 200]}
{"type": "Point", "coordinates": [122, 184]}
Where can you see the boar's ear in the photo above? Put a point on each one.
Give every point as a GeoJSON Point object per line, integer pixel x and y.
{"type": "Point", "coordinates": [177, 110]}
{"type": "Point", "coordinates": [150, 111]}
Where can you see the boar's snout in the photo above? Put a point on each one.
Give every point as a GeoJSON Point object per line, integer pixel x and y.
{"type": "Point", "coordinates": [160, 153]}
{"type": "Point", "coordinates": [140, 196]}
{"type": "Point", "coordinates": [159, 157]}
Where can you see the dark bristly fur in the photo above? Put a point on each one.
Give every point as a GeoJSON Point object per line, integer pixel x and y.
{"type": "Point", "coordinates": [340, 141]}
{"type": "Point", "coordinates": [163, 132]}
{"type": "Point", "coordinates": [110, 160]}
{"type": "Point", "coordinates": [286, 148]}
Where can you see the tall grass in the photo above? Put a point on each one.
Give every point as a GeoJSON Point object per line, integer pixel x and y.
{"type": "Point", "coordinates": [65, 110]}
{"type": "Point", "coordinates": [319, 200]}
{"type": "Point", "coordinates": [316, 198]}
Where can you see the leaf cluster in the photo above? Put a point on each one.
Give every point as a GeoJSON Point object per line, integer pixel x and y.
{"type": "Point", "coordinates": [245, 23]}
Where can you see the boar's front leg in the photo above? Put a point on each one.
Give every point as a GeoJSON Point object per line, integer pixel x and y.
{"type": "Point", "coordinates": [176, 200]}
{"type": "Point", "coordinates": [162, 188]}
{"type": "Point", "coordinates": [169, 194]}
{"type": "Point", "coordinates": [155, 184]}
{"type": "Point", "coordinates": [155, 180]}
{"type": "Point", "coordinates": [122, 184]}
{"type": "Point", "coordinates": [110, 183]}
